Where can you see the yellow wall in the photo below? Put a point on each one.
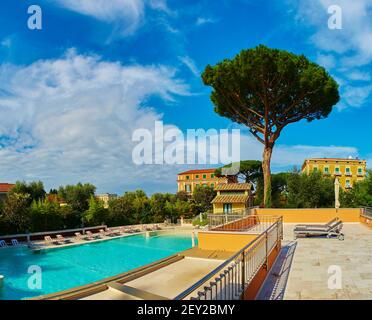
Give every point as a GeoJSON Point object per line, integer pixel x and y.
{"type": "Point", "coordinates": [320, 164]}
{"type": "Point", "coordinates": [313, 215]}
{"type": "Point", "coordinates": [197, 179]}
{"type": "Point", "coordinates": [224, 241]}
{"type": "Point", "coordinates": [218, 207]}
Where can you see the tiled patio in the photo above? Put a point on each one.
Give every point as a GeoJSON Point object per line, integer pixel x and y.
{"type": "Point", "coordinates": [307, 261]}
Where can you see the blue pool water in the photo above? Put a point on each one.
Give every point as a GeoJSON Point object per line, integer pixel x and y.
{"type": "Point", "coordinates": [78, 265]}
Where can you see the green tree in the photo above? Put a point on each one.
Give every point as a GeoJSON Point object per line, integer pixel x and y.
{"type": "Point", "coordinates": [310, 191]}
{"type": "Point", "coordinates": [17, 211]}
{"type": "Point", "coordinates": [96, 213]}
{"type": "Point", "coordinates": [77, 196]}
{"type": "Point", "coordinates": [71, 218]}
{"type": "Point", "coordinates": [120, 211]}
{"type": "Point", "coordinates": [203, 196]}
{"type": "Point", "coordinates": [360, 195]}
{"type": "Point", "coordinates": [45, 216]}
{"type": "Point", "coordinates": [34, 189]}
{"type": "Point", "coordinates": [157, 205]}
{"type": "Point", "coordinates": [249, 170]}
{"type": "Point", "coordinates": [267, 89]}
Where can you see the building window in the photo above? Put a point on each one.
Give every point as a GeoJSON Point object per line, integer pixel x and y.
{"type": "Point", "coordinates": [204, 176]}
{"type": "Point", "coordinates": [188, 188]}
{"type": "Point", "coordinates": [326, 170]}
{"type": "Point", "coordinates": [337, 170]}
{"type": "Point", "coordinates": [348, 184]}
{"type": "Point", "coordinates": [212, 175]}
{"type": "Point", "coordinates": [347, 170]}
{"type": "Point", "coordinates": [315, 169]}
{"type": "Point", "coordinates": [227, 208]}
{"type": "Point", "coordinates": [187, 177]}
{"type": "Point", "coordinates": [197, 176]}
{"type": "Point", "coordinates": [360, 171]}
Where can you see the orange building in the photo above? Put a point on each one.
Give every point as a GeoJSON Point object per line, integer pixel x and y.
{"type": "Point", "coordinates": [187, 181]}
{"type": "Point", "coordinates": [4, 190]}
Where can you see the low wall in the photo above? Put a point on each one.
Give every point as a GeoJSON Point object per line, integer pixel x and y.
{"type": "Point", "coordinates": [224, 241]}
{"type": "Point", "coordinates": [313, 215]}
{"type": "Point", "coordinates": [366, 220]}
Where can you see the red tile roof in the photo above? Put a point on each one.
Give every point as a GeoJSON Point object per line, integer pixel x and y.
{"type": "Point", "coordinates": [5, 187]}
{"type": "Point", "coordinates": [198, 171]}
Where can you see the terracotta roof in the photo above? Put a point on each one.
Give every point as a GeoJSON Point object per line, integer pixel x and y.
{"type": "Point", "coordinates": [231, 199]}
{"type": "Point", "coordinates": [198, 171]}
{"type": "Point", "coordinates": [233, 186]}
{"type": "Point", "coordinates": [5, 187]}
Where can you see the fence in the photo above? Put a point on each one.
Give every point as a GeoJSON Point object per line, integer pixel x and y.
{"type": "Point", "coordinates": [238, 223]}
{"type": "Point", "coordinates": [367, 212]}
{"type": "Point", "coordinates": [230, 280]}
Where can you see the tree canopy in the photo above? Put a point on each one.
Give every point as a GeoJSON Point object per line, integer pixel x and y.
{"type": "Point", "coordinates": [266, 89]}
{"type": "Point", "coordinates": [249, 170]}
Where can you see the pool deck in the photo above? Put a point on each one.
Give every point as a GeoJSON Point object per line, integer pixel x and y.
{"type": "Point", "coordinates": [302, 270]}
{"type": "Point", "coordinates": [165, 283]}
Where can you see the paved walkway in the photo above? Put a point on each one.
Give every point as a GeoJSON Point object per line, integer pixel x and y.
{"type": "Point", "coordinates": [314, 257]}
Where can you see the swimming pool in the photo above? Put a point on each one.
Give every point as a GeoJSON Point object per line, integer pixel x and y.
{"type": "Point", "coordinates": [73, 266]}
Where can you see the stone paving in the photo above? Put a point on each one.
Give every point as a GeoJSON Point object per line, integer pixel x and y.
{"type": "Point", "coordinates": [308, 275]}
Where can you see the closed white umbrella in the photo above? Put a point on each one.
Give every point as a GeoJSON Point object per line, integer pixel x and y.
{"type": "Point", "coordinates": [337, 194]}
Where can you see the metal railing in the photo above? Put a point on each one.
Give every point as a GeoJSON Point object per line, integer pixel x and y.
{"type": "Point", "coordinates": [239, 223]}
{"type": "Point", "coordinates": [230, 280]}
{"type": "Point", "coordinates": [367, 212]}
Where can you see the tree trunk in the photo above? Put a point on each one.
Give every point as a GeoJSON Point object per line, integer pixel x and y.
{"type": "Point", "coordinates": [267, 175]}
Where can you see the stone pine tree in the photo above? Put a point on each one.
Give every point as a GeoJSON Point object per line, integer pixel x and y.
{"type": "Point", "coordinates": [266, 89]}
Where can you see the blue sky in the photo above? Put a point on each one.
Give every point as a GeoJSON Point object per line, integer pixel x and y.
{"type": "Point", "coordinates": [72, 93]}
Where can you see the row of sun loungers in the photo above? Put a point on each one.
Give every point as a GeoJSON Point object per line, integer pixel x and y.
{"type": "Point", "coordinates": [99, 235]}
{"type": "Point", "coordinates": [332, 228]}
{"type": "Point", "coordinates": [14, 243]}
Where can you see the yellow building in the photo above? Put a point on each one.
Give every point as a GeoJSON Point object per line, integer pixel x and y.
{"type": "Point", "coordinates": [348, 171]}
{"type": "Point", "coordinates": [105, 198]}
{"type": "Point", "coordinates": [187, 181]}
{"type": "Point", "coordinates": [232, 197]}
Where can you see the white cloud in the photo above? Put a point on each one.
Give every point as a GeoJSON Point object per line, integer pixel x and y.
{"type": "Point", "coordinates": [359, 76]}
{"type": "Point", "coordinates": [127, 15]}
{"type": "Point", "coordinates": [161, 5]}
{"type": "Point", "coordinates": [326, 60]}
{"type": "Point", "coordinates": [350, 47]}
{"type": "Point", "coordinates": [203, 20]}
{"type": "Point", "coordinates": [190, 63]}
{"type": "Point", "coordinates": [72, 119]}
